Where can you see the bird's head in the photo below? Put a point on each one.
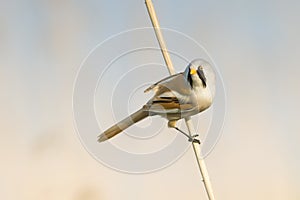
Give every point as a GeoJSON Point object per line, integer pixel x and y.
{"type": "Point", "coordinates": [195, 73]}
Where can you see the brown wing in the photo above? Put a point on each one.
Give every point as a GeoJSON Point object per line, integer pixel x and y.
{"type": "Point", "coordinates": [162, 81]}
{"type": "Point", "coordinates": [167, 104]}
{"type": "Point", "coordinates": [172, 95]}
{"type": "Point", "coordinates": [175, 83]}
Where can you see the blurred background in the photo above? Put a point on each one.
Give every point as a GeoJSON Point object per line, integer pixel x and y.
{"type": "Point", "coordinates": [256, 46]}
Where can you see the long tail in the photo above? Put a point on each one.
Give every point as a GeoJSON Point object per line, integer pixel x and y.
{"type": "Point", "coordinates": [122, 125]}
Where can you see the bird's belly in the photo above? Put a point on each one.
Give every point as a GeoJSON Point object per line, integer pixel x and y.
{"type": "Point", "coordinates": [204, 101]}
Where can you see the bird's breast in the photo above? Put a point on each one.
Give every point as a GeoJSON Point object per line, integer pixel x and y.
{"type": "Point", "coordinates": [203, 99]}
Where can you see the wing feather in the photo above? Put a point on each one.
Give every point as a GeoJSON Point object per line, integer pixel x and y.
{"type": "Point", "coordinates": [162, 81]}
{"type": "Point", "coordinates": [172, 96]}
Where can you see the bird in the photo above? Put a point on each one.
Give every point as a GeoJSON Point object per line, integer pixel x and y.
{"type": "Point", "coordinates": [175, 97]}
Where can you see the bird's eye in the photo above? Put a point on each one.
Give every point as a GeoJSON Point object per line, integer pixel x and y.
{"type": "Point", "coordinates": [200, 67]}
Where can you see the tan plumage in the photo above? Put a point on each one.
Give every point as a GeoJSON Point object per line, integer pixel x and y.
{"type": "Point", "coordinates": [122, 125]}
{"type": "Point", "coordinates": [175, 97]}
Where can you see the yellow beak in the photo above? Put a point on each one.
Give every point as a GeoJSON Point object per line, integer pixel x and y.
{"type": "Point", "coordinates": [193, 71]}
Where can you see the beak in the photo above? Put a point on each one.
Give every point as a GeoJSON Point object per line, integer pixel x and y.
{"type": "Point", "coordinates": [193, 71]}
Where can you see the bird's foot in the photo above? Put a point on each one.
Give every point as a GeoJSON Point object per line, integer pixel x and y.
{"type": "Point", "coordinates": [193, 139]}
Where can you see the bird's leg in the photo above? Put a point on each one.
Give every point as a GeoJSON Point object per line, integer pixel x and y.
{"type": "Point", "coordinates": [172, 124]}
{"type": "Point", "coordinates": [191, 138]}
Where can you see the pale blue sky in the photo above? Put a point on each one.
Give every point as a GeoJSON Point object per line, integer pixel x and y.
{"type": "Point", "coordinates": [255, 45]}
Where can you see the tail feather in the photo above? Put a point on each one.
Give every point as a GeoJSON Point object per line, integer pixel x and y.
{"type": "Point", "coordinates": [122, 125]}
